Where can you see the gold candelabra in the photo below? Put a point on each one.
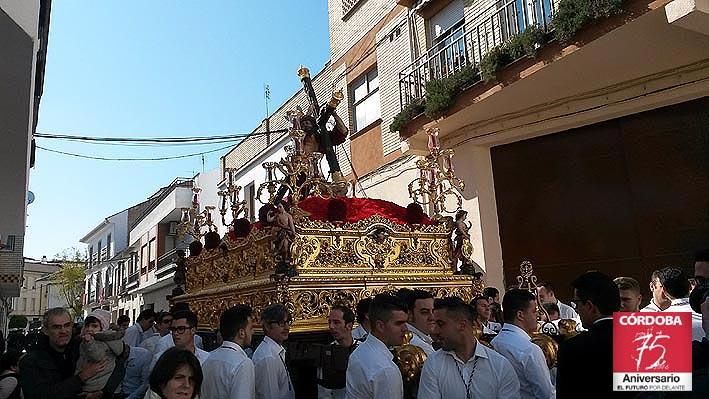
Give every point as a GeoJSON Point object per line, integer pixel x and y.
{"type": "Point", "coordinates": [298, 173]}
{"type": "Point", "coordinates": [437, 183]}
{"type": "Point", "coordinates": [528, 281]}
{"type": "Point", "coordinates": [230, 199]}
{"type": "Point", "coordinates": [193, 220]}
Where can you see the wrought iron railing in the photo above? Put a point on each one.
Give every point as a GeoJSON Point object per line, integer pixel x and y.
{"type": "Point", "coordinates": [167, 259]}
{"type": "Point", "coordinates": [133, 278]}
{"type": "Point", "coordinates": [468, 44]}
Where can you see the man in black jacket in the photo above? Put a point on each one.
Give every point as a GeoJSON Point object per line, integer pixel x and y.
{"type": "Point", "coordinates": [48, 370]}
{"type": "Point", "coordinates": [585, 362]}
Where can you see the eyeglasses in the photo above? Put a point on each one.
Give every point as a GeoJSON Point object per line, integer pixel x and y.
{"type": "Point", "coordinates": [58, 327]}
{"type": "Point", "coordinates": [179, 329]}
{"type": "Point", "coordinates": [283, 323]}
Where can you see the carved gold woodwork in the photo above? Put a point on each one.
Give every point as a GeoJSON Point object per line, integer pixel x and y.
{"type": "Point", "coordinates": [336, 264]}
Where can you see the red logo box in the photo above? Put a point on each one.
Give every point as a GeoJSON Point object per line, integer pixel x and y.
{"type": "Point", "coordinates": [652, 351]}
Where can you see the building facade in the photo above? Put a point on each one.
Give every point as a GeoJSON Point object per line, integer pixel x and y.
{"type": "Point", "coordinates": [106, 244]}
{"type": "Point", "coordinates": [577, 154]}
{"type": "Point", "coordinates": [33, 299]}
{"type": "Point", "coordinates": [564, 143]}
{"type": "Point", "coordinates": [24, 30]}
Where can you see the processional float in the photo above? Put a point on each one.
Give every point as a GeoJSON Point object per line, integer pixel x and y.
{"type": "Point", "coordinates": [312, 246]}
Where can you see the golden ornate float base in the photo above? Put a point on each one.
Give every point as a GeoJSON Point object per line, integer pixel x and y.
{"type": "Point", "coordinates": [335, 264]}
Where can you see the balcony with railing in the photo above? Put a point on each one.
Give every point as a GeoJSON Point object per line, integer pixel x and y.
{"type": "Point", "coordinates": [133, 280]}
{"type": "Point", "coordinates": [467, 45]}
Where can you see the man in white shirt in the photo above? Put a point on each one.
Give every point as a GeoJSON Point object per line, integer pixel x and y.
{"type": "Point", "coordinates": [514, 343]}
{"type": "Point", "coordinates": [360, 333]}
{"type": "Point", "coordinates": [481, 306]}
{"type": "Point", "coordinates": [673, 284]}
{"type": "Point", "coordinates": [142, 329]}
{"type": "Point", "coordinates": [272, 376]}
{"type": "Point", "coordinates": [463, 368]}
{"type": "Point", "coordinates": [331, 377]}
{"type": "Point", "coordinates": [228, 372]}
{"type": "Point", "coordinates": [630, 296]}
{"type": "Point", "coordinates": [420, 305]}
{"type": "Point", "coordinates": [183, 330]}
{"type": "Point", "coordinates": [547, 295]}
{"type": "Point", "coordinates": [136, 379]}
{"type": "Point", "coordinates": [658, 302]}
{"type": "Point", "coordinates": [162, 328]}
{"type": "Point", "coordinates": [371, 372]}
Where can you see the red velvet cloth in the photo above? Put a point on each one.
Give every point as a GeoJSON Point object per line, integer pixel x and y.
{"type": "Point", "coordinates": [358, 209]}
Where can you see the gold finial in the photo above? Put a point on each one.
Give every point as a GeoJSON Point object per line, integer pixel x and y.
{"type": "Point", "coordinates": [303, 72]}
{"type": "Point", "coordinates": [336, 98]}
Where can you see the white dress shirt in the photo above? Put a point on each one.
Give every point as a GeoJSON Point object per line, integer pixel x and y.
{"type": "Point", "coordinates": [151, 343]}
{"type": "Point", "coordinates": [567, 312]}
{"type": "Point", "coordinates": [491, 328]}
{"type": "Point", "coordinates": [134, 335]}
{"type": "Point", "coordinates": [372, 373]}
{"type": "Point", "coordinates": [421, 339]}
{"type": "Point", "coordinates": [135, 379]}
{"type": "Point", "coordinates": [228, 374]}
{"type": "Point", "coordinates": [485, 375]}
{"type": "Point", "coordinates": [359, 333]}
{"type": "Point", "coordinates": [681, 305]}
{"type": "Point", "coordinates": [166, 342]}
{"type": "Point", "coordinates": [272, 377]}
{"type": "Point", "coordinates": [528, 361]}
{"type": "Point", "coordinates": [651, 307]}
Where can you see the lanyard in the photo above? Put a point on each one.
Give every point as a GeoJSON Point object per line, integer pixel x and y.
{"type": "Point", "coordinates": [290, 388]}
{"type": "Point", "coordinates": [469, 385]}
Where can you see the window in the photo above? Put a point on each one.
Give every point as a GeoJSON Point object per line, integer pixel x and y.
{"type": "Point", "coordinates": [91, 256]}
{"type": "Point", "coordinates": [34, 305]}
{"type": "Point", "coordinates": [251, 201]}
{"type": "Point", "coordinates": [152, 253]}
{"type": "Point", "coordinates": [347, 6]}
{"type": "Point", "coordinates": [365, 92]}
{"type": "Point", "coordinates": [98, 252]}
{"type": "Point", "coordinates": [24, 304]}
{"type": "Point", "coordinates": [144, 259]}
{"type": "Point", "coordinates": [9, 244]}
{"type": "Point", "coordinates": [108, 246]}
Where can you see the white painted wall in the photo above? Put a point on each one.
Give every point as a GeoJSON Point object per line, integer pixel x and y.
{"type": "Point", "coordinates": [208, 182]}
{"type": "Point", "coordinates": [390, 182]}
{"type": "Point", "coordinates": [25, 13]}
{"type": "Point", "coordinates": [180, 197]}
{"type": "Point", "coordinates": [55, 298]}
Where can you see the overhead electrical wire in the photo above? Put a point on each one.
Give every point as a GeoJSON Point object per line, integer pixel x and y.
{"type": "Point", "coordinates": [132, 159]}
{"type": "Point", "coordinates": [156, 139]}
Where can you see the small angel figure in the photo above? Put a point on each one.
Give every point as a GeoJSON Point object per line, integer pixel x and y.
{"type": "Point", "coordinates": [282, 222]}
{"type": "Point", "coordinates": [462, 237]}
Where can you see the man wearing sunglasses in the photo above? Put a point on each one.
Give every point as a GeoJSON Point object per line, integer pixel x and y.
{"type": "Point", "coordinates": [162, 328]}
{"type": "Point", "coordinates": [184, 326]}
{"type": "Point", "coordinates": [272, 376]}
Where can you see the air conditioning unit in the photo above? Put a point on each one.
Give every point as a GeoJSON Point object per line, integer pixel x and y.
{"type": "Point", "coordinates": [173, 229]}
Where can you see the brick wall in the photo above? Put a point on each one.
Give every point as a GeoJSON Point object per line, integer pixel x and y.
{"type": "Point", "coordinates": [344, 33]}
{"type": "Point", "coordinates": [393, 55]}
{"type": "Point", "coordinates": [11, 264]}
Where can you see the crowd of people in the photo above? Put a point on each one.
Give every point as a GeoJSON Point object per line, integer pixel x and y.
{"type": "Point", "coordinates": [478, 349]}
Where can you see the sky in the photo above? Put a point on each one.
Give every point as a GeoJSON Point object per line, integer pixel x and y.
{"type": "Point", "coordinates": [155, 69]}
